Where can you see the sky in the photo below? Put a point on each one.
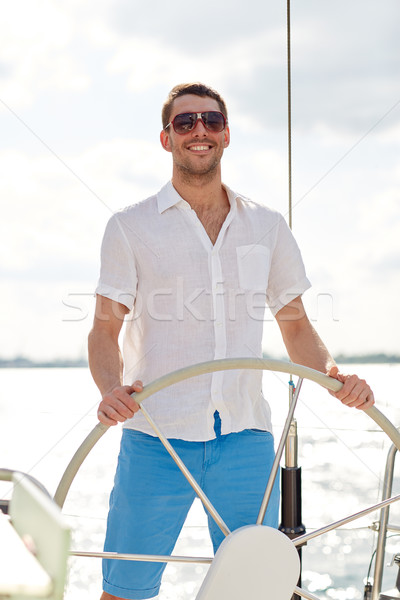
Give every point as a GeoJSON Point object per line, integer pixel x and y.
{"type": "Point", "coordinates": [81, 89]}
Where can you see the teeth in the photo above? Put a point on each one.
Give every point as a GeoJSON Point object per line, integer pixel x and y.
{"type": "Point", "coordinates": [200, 147]}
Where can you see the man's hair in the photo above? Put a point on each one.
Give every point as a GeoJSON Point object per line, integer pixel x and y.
{"type": "Point", "coordinates": [197, 89]}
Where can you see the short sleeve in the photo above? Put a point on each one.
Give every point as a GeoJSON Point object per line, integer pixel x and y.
{"type": "Point", "coordinates": [287, 277]}
{"type": "Point", "coordinates": [118, 274]}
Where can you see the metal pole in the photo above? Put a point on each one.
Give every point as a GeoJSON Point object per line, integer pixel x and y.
{"type": "Point", "coordinates": [291, 524]}
{"type": "Point", "coordinates": [291, 474]}
{"type": "Point", "coordinates": [362, 513]}
{"type": "Point", "coordinates": [383, 524]}
{"type": "Point", "coordinates": [291, 516]}
{"type": "Point", "coordinates": [143, 557]}
{"type": "Point", "coordinates": [278, 456]}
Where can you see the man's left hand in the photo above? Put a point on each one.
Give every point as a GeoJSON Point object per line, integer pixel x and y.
{"type": "Point", "coordinates": [355, 392]}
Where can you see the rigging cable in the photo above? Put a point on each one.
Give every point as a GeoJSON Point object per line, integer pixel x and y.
{"type": "Point", "coordinates": [289, 108]}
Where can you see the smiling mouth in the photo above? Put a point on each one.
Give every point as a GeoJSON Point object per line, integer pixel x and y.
{"type": "Point", "coordinates": [200, 148]}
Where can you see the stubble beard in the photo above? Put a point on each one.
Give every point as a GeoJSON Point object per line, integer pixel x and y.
{"type": "Point", "coordinates": [200, 174]}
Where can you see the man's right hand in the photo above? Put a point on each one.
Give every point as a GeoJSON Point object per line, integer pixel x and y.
{"type": "Point", "coordinates": [117, 406]}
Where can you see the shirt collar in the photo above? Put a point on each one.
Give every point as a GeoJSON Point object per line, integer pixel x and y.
{"type": "Point", "coordinates": [168, 197]}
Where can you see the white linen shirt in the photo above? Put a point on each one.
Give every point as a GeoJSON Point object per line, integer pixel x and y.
{"type": "Point", "coordinates": [191, 301]}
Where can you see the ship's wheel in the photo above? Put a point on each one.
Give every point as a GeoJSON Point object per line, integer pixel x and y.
{"type": "Point", "coordinates": [255, 561]}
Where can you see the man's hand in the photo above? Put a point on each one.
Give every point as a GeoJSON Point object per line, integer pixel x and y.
{"type": "Point", "coordinates": [355, 391]}
{"type": "Point", "coordinates": [117, 405]}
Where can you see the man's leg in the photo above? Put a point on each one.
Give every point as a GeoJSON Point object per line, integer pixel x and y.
{"type": "Point", "coordinates": [148, 507]}
{"type": "Point", "coordinates": [235, 480]}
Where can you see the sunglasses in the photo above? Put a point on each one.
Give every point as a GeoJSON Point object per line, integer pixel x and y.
{"type": "Point", "coordinates": [212, 120]}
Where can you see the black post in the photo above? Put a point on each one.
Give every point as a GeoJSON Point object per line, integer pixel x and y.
{"type": "Point", "coordinates": [291, 523]}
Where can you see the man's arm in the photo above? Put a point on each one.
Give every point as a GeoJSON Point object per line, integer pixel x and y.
{"type": "Point", "coordinates": [106, 364]}
{"type": "Point", "coordinates": [305, 347]}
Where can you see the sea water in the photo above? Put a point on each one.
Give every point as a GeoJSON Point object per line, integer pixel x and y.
{"type": "Point", "coordinates": [46, 413]}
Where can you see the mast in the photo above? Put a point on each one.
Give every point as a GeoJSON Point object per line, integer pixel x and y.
{"type": "Point", "coordinates": [289, 107]}
{"type": "Point", "coordinates": [291, 517]}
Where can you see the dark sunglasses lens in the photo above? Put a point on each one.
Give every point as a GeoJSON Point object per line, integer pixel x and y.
{"type": "Point", "coordinates": [184, 122]}
{"type": "Point", "coordinates": [214, 121]}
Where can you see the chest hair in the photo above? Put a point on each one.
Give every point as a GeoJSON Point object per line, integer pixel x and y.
{"type": "Point", "coordinates": [212, 220]}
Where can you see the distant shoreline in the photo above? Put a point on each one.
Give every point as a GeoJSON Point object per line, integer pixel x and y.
{"type": "Point", "coordinates": [26, 363]}
{"type": "Point", "coordinates": [20, 362]}
{"type": "Point", "coordinates": [376, 359]}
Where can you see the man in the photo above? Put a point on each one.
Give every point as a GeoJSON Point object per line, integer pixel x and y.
{"type": "Point", "coordinates": [190, 270]}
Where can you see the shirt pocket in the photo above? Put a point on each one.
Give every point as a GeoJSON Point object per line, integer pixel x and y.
{"type": "Point", "coordinates": [253, 267]}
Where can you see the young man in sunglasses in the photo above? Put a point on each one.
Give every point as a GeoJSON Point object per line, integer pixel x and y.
{"type": "Point", "coordinates": [189, 270]}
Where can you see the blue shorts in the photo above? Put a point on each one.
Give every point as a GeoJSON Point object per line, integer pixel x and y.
{"type": "Point", "coordinates": [151, 498]}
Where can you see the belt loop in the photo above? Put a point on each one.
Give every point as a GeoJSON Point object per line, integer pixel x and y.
{"type": "Point", "coordinates": [217, 423]}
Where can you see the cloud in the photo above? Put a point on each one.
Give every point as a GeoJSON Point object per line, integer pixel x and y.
{"type": "Point", "coordinates": [36, 44]}
{"type": "Point", "coordinates": [55, 210]}
{"type": "Point", "coordinates": [52, 229]}
{"type": "Point", "coordinates": [343, 56]}
{"type": "Point", "coordinates": [47, 320]}
{"type": "Point", "coordinates": [194, 30]}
